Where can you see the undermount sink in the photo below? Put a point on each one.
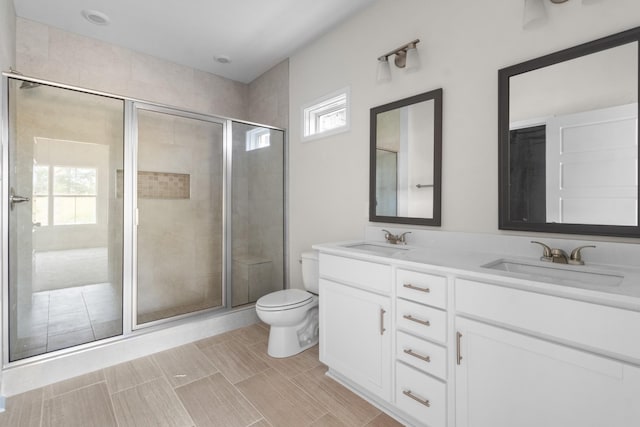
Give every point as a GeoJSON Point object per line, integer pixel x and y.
{"type": "Point", "coordinates": [380, 249]}
{"type": "Point", "coordinates": [565, 274]}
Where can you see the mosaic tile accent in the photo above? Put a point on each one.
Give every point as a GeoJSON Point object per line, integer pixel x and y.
{"type": "Point", "coordinates": [159, 185]}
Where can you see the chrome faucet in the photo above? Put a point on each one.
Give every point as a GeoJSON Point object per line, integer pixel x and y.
{"type": "Point", "coordinates": [399, 239]}
{"type": "Point", "coordinates": [560, 256]}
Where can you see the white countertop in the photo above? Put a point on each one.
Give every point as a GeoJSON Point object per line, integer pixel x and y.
{"type": "Point", "coordinates": [469, 264]}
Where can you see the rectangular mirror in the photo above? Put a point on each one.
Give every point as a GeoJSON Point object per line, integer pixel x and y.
{"type": "Point", "coordinates": [406, 160]}
{"type": "Point", "coordinates": [568, 140]}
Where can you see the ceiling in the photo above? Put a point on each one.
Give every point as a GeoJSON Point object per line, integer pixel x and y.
{"type": "Point", "coordinates": [254, 34]}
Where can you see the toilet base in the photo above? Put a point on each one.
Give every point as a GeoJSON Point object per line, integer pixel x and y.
{"type": "Point", "coordinates": [287, 341]}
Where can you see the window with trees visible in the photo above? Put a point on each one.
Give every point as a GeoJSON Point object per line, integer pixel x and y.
{"type": "Point", "coordinates": [64, 195]}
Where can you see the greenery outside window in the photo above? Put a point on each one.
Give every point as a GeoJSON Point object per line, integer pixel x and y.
{"type": "Point", "coordinates": [64, 195]}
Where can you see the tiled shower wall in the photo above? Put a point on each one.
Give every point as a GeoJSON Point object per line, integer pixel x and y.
{"type": "Point", "coordinates": [57, 55]}
{"type": "Point", "coordinates": [269, 97]}
{"type": "Point", "coordinates": [257, 212]}
{"type": "Point", "coordinates": [179, 238]}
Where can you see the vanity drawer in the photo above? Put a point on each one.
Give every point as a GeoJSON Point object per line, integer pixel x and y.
{"type": "Point", "coordinates": [421, 396]}
{"type": "Point", "coordinates": [422, 287]}
{"type": "Point", "coordinates": [421, 320]}
{"type": "Point", "coordinates": [612, 330]}
{"type": "Point", "coordinates": [362, 274]}
{"type": "Point", "coordinates": [422, 354]}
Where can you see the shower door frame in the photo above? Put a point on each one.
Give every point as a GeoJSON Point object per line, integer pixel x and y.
{"type": "Point", "coordinates": [133, 194]}
{"type": "Point", "coordinates": [129, 250]}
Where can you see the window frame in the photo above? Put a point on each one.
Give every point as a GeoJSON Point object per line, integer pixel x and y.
{"type": "Point", "coordinates": [322, 106]}
{"type": "Point", "coordinates": [253, 137]}
{"type": "Point", "coordinates": [52, 196]}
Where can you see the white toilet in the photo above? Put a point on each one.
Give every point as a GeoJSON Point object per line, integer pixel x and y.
{"type": "Point", "coordinates": [293, 313]}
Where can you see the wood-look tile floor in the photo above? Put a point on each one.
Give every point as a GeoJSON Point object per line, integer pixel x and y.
{"type": "Point", "coordinates": [227, 380]}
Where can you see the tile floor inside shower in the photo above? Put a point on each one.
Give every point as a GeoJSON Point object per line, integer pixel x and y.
{"type": "Point", "coordinates": [226, 380]}
{"type": "Point", "coordinates": [63, 318]}
{"type": "Point", "coordinates": [72, 303]}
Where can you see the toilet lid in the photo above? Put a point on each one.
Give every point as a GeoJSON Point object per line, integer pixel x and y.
{"type": "Point", "coordinates": [284, 300]}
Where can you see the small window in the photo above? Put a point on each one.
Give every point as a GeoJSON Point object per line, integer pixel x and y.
{"type": "Point", "coordinates": [326, 116]}
{"type": "Point", "coordinates": [258, 138]}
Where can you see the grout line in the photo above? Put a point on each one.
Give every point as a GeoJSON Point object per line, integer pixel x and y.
{"type": "Point", "coordinates": [86, 309]}
{"type": "Point", "coordinates": [162, 376]}
{"type": "Point", "coordinates": [103, 380]}
{"type": "Point", "coordinates": [249, 400]}
{"type": "Point", "coordinates": [186, 411]}
{"type": "Point", "coordinates": [41, 408]}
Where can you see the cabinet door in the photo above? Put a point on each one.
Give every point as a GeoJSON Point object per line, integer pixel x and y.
{"type": "Point", "coordinates": [507, 379]}
{"type": "Point", "coordinates": [355, 336]}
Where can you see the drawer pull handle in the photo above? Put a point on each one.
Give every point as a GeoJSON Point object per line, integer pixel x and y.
{"type": "Point", "coordinates": [382, 329]}
{"type": "Point", "coordinates": [425, 402]}
{"type": "Point", "coordinates": [416, 288]}
{"type": "Point", "coordinates": [419, 356]}
{"type": "Point", "coordinates": [458, 351]}
{"type": "Point", "coordinates": [413, 319]}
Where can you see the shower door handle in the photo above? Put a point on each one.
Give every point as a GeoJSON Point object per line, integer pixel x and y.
{"type": "Point", "coordinates": [14, 198]}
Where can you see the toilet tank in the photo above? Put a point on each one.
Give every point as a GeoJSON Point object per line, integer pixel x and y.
{"type": "Point", "coordinates": [310, 271]}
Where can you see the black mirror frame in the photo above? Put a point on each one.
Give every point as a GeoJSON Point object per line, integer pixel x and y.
{"type": "Point", "coordinates": [505, 223]}
{"type": "Point", "coordinates": [436, 96]}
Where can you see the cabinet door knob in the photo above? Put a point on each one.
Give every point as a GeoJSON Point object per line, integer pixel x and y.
{"type": "Point", "coordinates": [382, 329]}
{"type": "Point", "coordinates": [413, 319]}
{"type": "Point", "coordinates": [410, 352]}
{"type": "Point", "coordinates": [416, 288]}
{"type": "Point", "coordinates": [424, 402]}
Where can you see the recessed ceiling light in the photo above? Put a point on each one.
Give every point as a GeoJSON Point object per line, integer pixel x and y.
{"type": "Point", "coordinates": [222, 59]}
{"type": "Point", "coordinates": [96, 17]}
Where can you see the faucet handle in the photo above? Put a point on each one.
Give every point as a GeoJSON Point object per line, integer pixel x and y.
{"type": "Point", "coordinates": [390, 237]}
{"type": "Point", "coordinates": [546, 251]}
{"type": "Point", "coordinates": [576, 256]}
{"type": "Point", "coordinates": [402, 237]}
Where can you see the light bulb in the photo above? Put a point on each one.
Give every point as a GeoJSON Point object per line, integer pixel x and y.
{"type": "Point", "coordinates": [534, 14]}
{"type": "Point", "coordinates": [384, 70]}
{"type": "Point", "coordinates": [412, 60]}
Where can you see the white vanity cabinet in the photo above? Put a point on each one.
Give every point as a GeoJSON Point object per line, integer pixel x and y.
{"type": "Point", "coordinates": [530, 371]}
{"type": "Point", "coordinates": [365, 309]}
{"type": "Point", "coordinates": [441, 346]}
{"type": "Point", "coordinates": [355, 322]}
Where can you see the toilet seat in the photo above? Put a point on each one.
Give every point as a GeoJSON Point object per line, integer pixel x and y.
{"type": "Point", "coordinates": [287, 299]}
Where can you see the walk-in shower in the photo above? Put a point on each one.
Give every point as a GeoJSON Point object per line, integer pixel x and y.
{"type": "Point", "coordinates": [120, 214]}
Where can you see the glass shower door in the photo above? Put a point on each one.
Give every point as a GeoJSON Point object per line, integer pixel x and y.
{"type": "Point", "coordinates": [180, 169]}
{"type": "Point", "coordinates": [65, 223]}
{"type": "Point", "coordinates": [257, 212]}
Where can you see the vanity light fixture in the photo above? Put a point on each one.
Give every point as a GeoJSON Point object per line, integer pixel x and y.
{"type": "Point", "coordinates": [406, 56]}
{"type": "Point", "coordinates": [535, 14]}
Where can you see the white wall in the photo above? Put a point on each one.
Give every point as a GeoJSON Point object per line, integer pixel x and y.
{"type": "Point", "coordinates": [463, 44]}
